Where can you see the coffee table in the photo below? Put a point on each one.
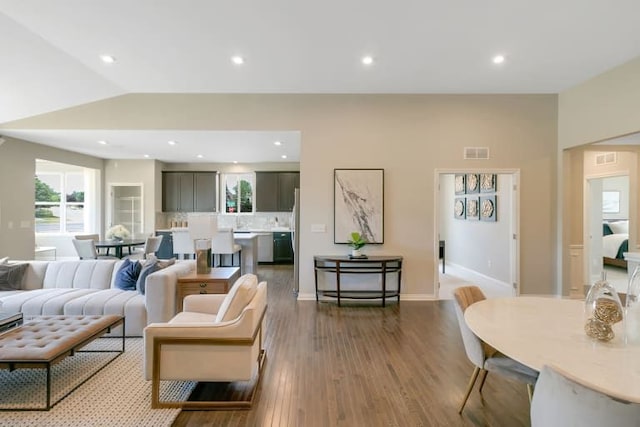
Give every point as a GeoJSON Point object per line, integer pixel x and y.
{"type": "Point", "coordinates": [43, 341]}
{"type": "Point", "coordinates": [9, 320]}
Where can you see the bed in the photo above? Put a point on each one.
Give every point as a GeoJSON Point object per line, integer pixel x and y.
{"type": "Point", "coordinates": [615, 242]}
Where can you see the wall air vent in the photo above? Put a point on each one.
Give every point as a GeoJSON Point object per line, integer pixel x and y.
{"type": "Point", "coordinates": [606, 158]}
{"type": "Point", "coordinates": [476, 153]}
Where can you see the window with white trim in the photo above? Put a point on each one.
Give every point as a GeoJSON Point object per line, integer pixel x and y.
{"type": "Point", "coordinates": [238, 193]}
{"type": "Point", "coordinates": [59, 198]}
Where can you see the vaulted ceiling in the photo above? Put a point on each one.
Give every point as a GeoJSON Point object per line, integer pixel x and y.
{"type": "Point", "coordinates": [51, 50]}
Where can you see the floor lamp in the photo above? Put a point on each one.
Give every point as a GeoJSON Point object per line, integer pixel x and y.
{"type": "Point", "coordinates": [202, 228]}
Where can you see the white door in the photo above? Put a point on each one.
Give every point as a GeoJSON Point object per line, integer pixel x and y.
{"type": "Point", "coordinates": [126, 207]}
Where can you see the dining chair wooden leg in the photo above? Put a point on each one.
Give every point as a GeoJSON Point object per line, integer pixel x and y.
{"type": "Point", "coordinates": [472, 381]}
{"type": "Point", "coordinates": [483, 378]}
{"type": "Point", "coordinates": [530, 391]}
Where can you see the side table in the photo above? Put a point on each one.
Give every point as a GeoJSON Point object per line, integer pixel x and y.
{"type": "Point", "coordinates": [340, 265]}
{"type": "Point", "coordinates": [218, 281]}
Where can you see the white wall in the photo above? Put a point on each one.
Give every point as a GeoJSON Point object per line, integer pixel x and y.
{"type": "Point", "coordinates": [481, 246]}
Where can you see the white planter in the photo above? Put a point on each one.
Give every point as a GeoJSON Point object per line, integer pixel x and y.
{"type": "Point", "coordinates": [356, 252]}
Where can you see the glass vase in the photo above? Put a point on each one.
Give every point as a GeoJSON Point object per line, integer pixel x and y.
{"type": "Point", "coordinates": [632, 310]}
{"type": "Point", "coordinates": [603, 310]}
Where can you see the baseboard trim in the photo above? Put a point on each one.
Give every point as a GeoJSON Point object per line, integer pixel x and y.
{"type": "Point", "coordinates": [472, 275]}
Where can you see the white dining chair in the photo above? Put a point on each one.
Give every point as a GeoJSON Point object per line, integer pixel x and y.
{"type": "Point", "coordinates": [151, 245]}
{"type": "Point", "coordinates": [223, 244]}
{"type": "Point", "coordinates": [183, 245]}
{"type": "Point", "coordinates": [561, 400]}
{"type": "Point", "coordinates": [95, 238]}
{"type": "Point", "coordinates": [86, 249]}
{"type": "Point", "coordinates": [483, 356]}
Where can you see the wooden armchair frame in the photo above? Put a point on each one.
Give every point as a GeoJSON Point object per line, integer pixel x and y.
{"type": "Point", "coordinates": [159, 342]}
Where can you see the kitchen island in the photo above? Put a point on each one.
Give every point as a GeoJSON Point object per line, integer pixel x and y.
{"type": "Point", "coordinates": [248, 242]}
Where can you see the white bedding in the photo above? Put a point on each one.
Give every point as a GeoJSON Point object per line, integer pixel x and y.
{"type": "Point", "coordinates": [611, 243]}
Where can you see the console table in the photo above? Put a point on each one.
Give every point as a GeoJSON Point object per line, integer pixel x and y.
{"type": "Point", "coordinates": [346, 265]}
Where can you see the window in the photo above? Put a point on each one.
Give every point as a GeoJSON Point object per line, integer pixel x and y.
{"type": "Point", "coordinates": [59, 198]}
{"type": "Point", "coordinates": [238, 192]}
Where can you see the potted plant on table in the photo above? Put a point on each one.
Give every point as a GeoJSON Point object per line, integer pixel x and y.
{"type": "Point", "coordinates": [356, 242]}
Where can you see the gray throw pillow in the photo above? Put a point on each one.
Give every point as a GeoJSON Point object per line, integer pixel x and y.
{"type": "Point", "coordinates": [11, 276]}
{"type": "Point", "coordinates": [151, 265]}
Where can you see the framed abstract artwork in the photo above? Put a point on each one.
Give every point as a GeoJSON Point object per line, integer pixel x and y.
{"type": "Point", "coordinates": [459, 183]}
{"type": "Point", "coordinates": [488, 182]}
{"type": "Point", "coordinates": [488, 208]}
{"type": "Point", "coordinates": [358, 203]}
{"type": "Point", "coordinates": [459, 208]}
{"type": "Point", "coordinates": [473, 183]}
{"type": "Point", "coordinates": [473, 208]}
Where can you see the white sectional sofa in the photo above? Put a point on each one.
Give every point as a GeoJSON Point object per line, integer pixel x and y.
{"type": "Point", "coordinates": [88, 287]}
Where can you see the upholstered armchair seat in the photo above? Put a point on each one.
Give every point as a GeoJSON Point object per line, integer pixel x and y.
{"type": "Point", "coordinates": [208, 342]}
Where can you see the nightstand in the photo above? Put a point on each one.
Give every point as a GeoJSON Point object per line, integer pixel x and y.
{"type": "Point", "coordinates": [218, 281]}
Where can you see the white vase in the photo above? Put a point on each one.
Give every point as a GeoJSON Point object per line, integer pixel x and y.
{"type": "Point", "coordinates": [356, 253]}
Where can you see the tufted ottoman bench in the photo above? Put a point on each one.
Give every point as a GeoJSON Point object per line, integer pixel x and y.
{"type": "Point", "coordinates": [44, 341]}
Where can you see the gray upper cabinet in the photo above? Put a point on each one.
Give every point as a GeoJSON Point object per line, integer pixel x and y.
{"type": "Point", "coordinates": [266, 192]}
{"type": "Point", "coordinates": [205, 191]}
{"type": "Point", "coordinates": [188, 191]}
{"type": "Point", "coordinates": [274, 191]}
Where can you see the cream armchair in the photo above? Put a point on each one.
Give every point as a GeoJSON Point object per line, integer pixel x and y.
{"type": "Point", "coordinates": [217, 338]}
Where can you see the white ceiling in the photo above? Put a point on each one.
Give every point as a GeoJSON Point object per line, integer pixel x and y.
{"type": "Point", "coordinates": [50, 50]}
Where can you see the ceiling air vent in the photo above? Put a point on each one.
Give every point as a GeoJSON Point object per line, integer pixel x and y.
{"type": "Point", "coordinates": [605, 158]}
{"type": "Point", "coordinates": [476, 153]}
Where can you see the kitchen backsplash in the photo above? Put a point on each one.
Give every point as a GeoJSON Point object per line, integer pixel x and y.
{"type": "Point", "coordinates": [256, 221]}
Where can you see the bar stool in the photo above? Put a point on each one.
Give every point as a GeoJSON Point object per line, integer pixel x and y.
{"type": "Point", "coordinates": [224, 244]}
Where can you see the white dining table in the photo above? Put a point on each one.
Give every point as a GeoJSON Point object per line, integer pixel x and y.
{"type": "Point", "coordinates": [538, 331]}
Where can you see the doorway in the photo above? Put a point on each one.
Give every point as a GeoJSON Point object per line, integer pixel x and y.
{"type": "Point", "coordinates": [477, 250]}
{"type": "Point", "coordinates": [126, 207]}
{"type": "Point", "coordinates": [607, 223]}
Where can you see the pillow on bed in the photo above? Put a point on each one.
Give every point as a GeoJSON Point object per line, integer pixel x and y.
{"type": "Point", "coordinates": [606, 230]}
{"type": "Point", "coordinates": [619, 227]}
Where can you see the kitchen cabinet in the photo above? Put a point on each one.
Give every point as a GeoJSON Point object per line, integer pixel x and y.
{"type": "Point", "coordinates": [189, 191]}
{"type": "Point", "coordinates": [204, 192]}
{"type": "Point", "coordinates": [282, 248]}
{"type": "Point", "coordinates": [274, 191]}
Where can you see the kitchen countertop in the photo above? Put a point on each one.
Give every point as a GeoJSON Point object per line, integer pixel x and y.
{"type": "Point", "coordinates": [236, 231]}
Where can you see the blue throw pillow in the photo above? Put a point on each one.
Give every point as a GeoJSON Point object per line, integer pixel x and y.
{"type": "Point", "coordinates": [127, 275]}
{"type": "Point", "coordinates": [150, 266]}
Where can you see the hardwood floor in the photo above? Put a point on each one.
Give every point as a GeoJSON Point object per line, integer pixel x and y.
{"type": "Point", "coordinates": [364, 365]}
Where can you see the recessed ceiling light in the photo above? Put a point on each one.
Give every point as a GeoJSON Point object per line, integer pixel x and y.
{"type": "Point", "coordinates": [238, 60]}
{"type": "Point", "coordinates": [146, 156]}
{"type": "Point", "coordinates": [277, 143]}
{"type": "Point", "coordinates": [498, 59]}
{"type": "Point", "coordinates": [367, 60]}
{"type": "Point", "coordinates": [284, 156]}
{"type": "Point", "coordinates": [235, 162]}
{"type": "Point", "coordinates": [102, 142]}
{"type": "Point", "coordinates": [171, 142]}
{"type": "Point", "coordinates": [107, 59]}
{"type": "Point", "coordinates": [199, 156]}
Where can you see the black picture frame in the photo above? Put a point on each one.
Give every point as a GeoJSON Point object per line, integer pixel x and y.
{"type": "Point", "coordinates": [488, 208]}
{"type": "Point", "coordinates": [473, 208]}
{"type": "Point", "coordinates": [459, 184]}
{"type": "Point", "coordinates": [488, 182]}
{"type": "Point", "coordinates": [472, 182]}
{"type": "Point", "coordinates": [358, 204]}
{"type": "Point", "coordinates": [459, 208]}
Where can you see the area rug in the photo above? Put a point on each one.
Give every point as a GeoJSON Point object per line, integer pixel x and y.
{"type": "Point", "coordinates": [118, 395]}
